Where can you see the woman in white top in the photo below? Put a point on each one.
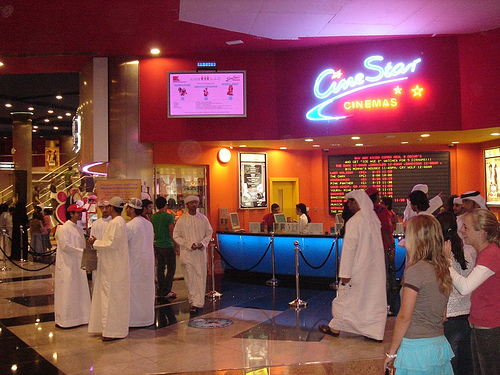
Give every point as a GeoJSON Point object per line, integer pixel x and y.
{"type": "Point", "coordinates": [304, 218]}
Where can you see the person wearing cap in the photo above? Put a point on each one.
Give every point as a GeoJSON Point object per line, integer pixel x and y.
{"type": "Point", "coordinates": [110, 310]}
{"type": "Point", "coordinates": [434, 203]}
{"type": "Point", "coordinates": [71, 288]}
{"type": "Point", "coordinates": [142, 266]}
{"type": "Point", "coordinates": [193, 233]}
{"type": "Point", "coordinates": [164, 248]}
{"type": "Point", "coordinates": [470, 201]}
{"type": "Point", "coordinates": [361, 305]}
{"type": "Point", "coordinates": [386, 230]}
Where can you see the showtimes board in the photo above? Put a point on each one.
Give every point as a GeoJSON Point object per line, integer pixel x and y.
{"type": "Point", "coordinates": [394, 175]}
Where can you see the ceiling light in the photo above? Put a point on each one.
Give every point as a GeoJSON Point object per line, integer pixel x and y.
{"type": "Point", "coordinates": [359, 144]}
{"type": "Point", "coordinates": [35, 126]}
{"type": "Point", "coordinates": [282, 148]}
{"type": "Point", "coordinates": [31, 109]}
{"type": "Point", "coordinates": [455, 142]}
{"type": "Point", "coordinates": [308, 139]}
{"type": "Point", "coordinates": [59, 117]}
{"type": "Point", "coordinates": [425, 135]}
{"type": "Point", "coordinates": [495, 134]}
{"type": "Point", "coordinates": [8, 105]}
{"type": "Point", "coordinates": [56, 128]}
{"type": "Point", "coordinates": [59, 97]}
{"type": "Point", "coordinates": [234, 42]}
{"type": "Point", "coordinates": [315, 145]}
{"type": "Point", "coordinates": [1, 63]}
{"type": "Point", "coordinates": [404, 142]}
{"type": "Point", "coordinates": [155, 51]}
{"type": "Point", "coordinates": [68, 114]}
{"type": "Point", "coordinates": [355, 137]}
{"type": "Point", "coordinates": [335, 144]}
{"type": "Point", "coordinates": [34, 130]}
{"type": "Point", "coordinates": [50, 111]}
{"type": "Point", "coordinates": [242, 146]}
{"type": "Point", "coordinates": [46, 120]}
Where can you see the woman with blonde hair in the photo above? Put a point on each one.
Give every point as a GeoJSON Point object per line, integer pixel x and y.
{"type": "Point", "coordinates": [418, 343]}
{"type": "Point", "coordinates": [480, 230]}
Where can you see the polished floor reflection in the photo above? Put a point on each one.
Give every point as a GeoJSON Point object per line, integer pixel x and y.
{"type": "Point", "coordinates": [262, 335]}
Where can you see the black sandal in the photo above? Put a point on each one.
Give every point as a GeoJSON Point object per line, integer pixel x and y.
{"type": "Point", "coordinates": [327, 330]}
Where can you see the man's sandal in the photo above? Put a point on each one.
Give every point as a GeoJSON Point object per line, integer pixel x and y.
{"type": "Point", "coordinates": [327, 330]}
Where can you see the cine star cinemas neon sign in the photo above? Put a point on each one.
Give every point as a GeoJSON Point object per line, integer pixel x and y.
{"type": "Point", "coordinates": [331, 87]}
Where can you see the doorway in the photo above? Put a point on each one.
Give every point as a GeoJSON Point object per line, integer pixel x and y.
{"type": "Point", "coordinates": [285, 192]}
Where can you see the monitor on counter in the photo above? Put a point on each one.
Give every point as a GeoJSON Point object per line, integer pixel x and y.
{"type": "Point", "coordinates": [207, 94]}
{"type": "Point", "coordinates": [280, 218]}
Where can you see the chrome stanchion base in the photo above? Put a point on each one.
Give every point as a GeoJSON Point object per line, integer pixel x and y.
{"type": "Point", "coordinates": [23, 261]}
{"type": "Point", "coordinates": [297, 304]}
{"type": "Point", "coordinates": [272, 282]}
{"type": "Point", "coordinates": [5, 268]}
{"type": "Point", "coordinates": [213, 295]}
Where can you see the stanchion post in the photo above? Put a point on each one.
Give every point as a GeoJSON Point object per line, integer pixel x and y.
{"type": "Point", "coordinates": [4, 268]}
{"type": "Point", "coordinates": [21, 229]}
{"type": "Point", "coordinates": [274, 281]}
{"type": "Point", "coordinates": [335, 284]}
{"type": "Point", "coordinates": [297, 303]}
{"type": "Point", "coordinates": [213, 294]}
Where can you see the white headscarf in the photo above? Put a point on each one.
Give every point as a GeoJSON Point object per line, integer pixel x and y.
{"type": "Point", "coordinates": [365, 207]}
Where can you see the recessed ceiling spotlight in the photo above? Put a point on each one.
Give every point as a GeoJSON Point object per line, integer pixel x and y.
{"type": "Point", "coordinates": [404, 142]}
{"type": "Point", "coordinates": [155, 51]}
{"type": "Point", "coordinates": [50, 111]}
{"type": "Point", "coordinates": [390, 137]}
{"type": "Point", "coordinates": [308, 140]}
{"type": "Point", "coordinates": [316, 145]}
{"type": "Point", "coordinates": [35, 126]}
{"type": "Point", "coordinates": [282, 148]}
{"type": "Point", "coordinates": [68, 114]}
{"type": "Point", "coordinates": [359, 144]}
{"type": "Point", "coordinates": [355, 137]}
{"type": "Point", "coordinates": [46, 120]}
{"type": "Point", "coordinates": [455, 142]}
{"type": "Point", "coordinates": [31, 109]}
{"type": "Point", "coordinates": [1, 63]}
{"type": "Point", "coordinates": [335, 144]}
{"type": "Point", "coordinates": [56, 128]}
{"type": "Point", "coordinates": [242, 146]}
{"type": "Point", "coordinates": [425, 135]}
{"type": "Point", "coordinates": [33, 130]}
{"type": "Point", "coordinates": [8, 105]}
{"type": "Point", "coordinates": [59, 97]}
{"type": "Point", "coordinates": [234, 42]}
{"type": "Point", "coordinates": [495, 134]}
{"type": "Point", "coordinates": [59, 117]}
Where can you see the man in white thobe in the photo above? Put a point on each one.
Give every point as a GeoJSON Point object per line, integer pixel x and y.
{"type": "Point", "coordinates": [142, 266]}
{"type": "Point", "coordinates": [361, 304]}
{"type": "Point", "coordinates": [71, 288]}
{"type": "Point", "coordinates": [193, 233]}
{"type": "Point", "coordinates": [110, 311]}
{"type": "Point", "coordinates": [434, 203]}
{"type": "Point", "coordinates": [99, 226]}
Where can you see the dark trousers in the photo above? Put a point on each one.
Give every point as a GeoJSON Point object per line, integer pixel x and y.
{"type": "Point", "coordinates": [165, 257]}
{"type": "Point", "coordinates": [485, 345]}
{"type": "Point", "coordinates": [457, 331]}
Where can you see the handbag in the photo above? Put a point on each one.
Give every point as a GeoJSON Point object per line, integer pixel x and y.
{"type": "Point", "coordinates": [89, 258]}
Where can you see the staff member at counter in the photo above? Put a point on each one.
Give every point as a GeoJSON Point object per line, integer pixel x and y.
{"type": "Point", "coordinates": [304, 218]}
{"type": "Point", "coordinates": [268, 219]}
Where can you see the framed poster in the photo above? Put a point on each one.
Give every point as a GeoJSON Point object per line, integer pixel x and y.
{"type": "Point", "coordinates": [491, 169]}
{"type": "Point", "coordinates": [253, 180]}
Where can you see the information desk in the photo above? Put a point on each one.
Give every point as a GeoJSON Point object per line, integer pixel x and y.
{"type": "Point", "coordinates": [244, 250]}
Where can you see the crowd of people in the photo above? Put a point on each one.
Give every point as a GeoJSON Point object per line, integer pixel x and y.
{"type": "Point", "coordinates": [449, 316]}
{"type": "Point", "coordinates": [123, 288]}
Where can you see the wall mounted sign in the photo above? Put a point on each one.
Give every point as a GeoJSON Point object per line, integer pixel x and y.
{"type": "Point", "coordinates": [253, 180]}
{"type": "Point", "coordinates": [492, 168]}
{"type": "Point", "coordinates": [394, 175]}
{"type": "Point", "coordinates": [380, 85]}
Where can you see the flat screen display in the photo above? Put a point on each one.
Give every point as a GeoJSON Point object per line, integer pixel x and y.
{"type": "Point", "coordinates": [207, 94]}
{"type": "Point", "coordinates": [394, 175]}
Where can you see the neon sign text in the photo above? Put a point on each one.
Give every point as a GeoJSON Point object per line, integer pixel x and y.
{"type": "Point", "coordinates": [371, 103]}
{"type": "Point", "coordinates": [326, 86]}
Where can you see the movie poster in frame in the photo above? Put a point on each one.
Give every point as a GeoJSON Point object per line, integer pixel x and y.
{"type": "Point", "coordinates": [253, 180]}
{"type": "Point", "coordinates": [492, 170]}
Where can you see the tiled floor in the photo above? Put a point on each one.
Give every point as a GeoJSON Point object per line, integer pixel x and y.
{"type": "Point", "coordinates": [264, 336]}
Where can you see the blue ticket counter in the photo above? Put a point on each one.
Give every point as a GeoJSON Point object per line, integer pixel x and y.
{"type": "Point", "coordinates": [245, 252]}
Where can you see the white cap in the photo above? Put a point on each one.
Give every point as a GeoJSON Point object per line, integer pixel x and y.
{"type": "Point", "coordinates": [117, 202]}
{"type": "Point", "coordinates": [103, 202]}
{"type": "Point", "coordinates": [421, 187]}
{"type": "Point", "coordinates": [191, 198]}
{"type": "Point", "coordinates": [135, 203]}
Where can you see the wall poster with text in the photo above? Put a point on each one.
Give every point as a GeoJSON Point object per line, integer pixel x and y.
{"type": "Point", "coordinates": [52, 160]}
{"type": "Point", "coordinates": [492, 168]}
{"type": "Point", "coordinates": [253, 180]}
